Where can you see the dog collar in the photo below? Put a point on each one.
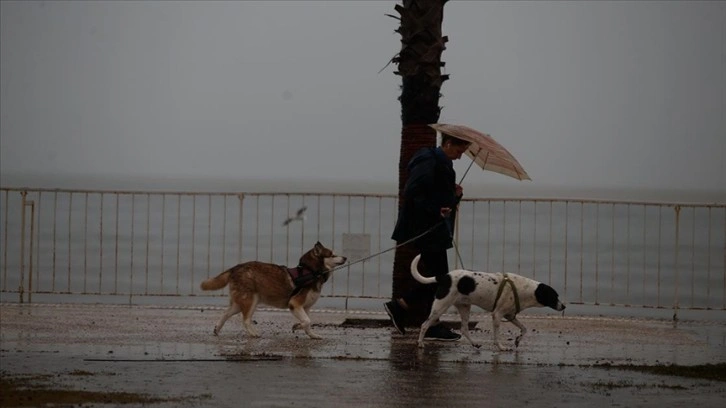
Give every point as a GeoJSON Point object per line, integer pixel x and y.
{"type": "Point", "coordinates": [304, 267]}
{"type": "Point", "coordinates": [506, 280]}
{"type": "Point", "coordinates": [302, 275]}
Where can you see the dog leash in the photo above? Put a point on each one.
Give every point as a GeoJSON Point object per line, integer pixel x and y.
{"type": "Point", "coordinates": [505, 280]}
{"type": "Point", "coordinates": [345, 265]}
{"type": "Point", "coordinates": [456, 248]}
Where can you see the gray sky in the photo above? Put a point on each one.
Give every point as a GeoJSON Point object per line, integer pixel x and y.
{"type": "Point", "coordinates": [584, 94]}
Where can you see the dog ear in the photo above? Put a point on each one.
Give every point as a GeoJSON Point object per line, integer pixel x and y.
{"type": "Point", "coordinates": [318, 248]}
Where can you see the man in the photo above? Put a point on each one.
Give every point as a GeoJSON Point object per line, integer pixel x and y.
{"type": "Point", "coordinates": [430, 199]}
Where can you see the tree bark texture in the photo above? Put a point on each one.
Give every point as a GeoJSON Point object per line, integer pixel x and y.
{"type": "Point", "coordinates": [419, 65]}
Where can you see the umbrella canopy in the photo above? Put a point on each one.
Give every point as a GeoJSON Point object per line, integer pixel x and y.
{"type": "Point", "coordinates": [485, 151]}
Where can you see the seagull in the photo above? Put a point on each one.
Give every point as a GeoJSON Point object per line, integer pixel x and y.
{"type": "Point", "coordinates": [300, 215]}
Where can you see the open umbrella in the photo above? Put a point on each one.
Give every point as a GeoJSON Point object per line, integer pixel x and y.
{"type": "Point", "coordinates": [484, 151]}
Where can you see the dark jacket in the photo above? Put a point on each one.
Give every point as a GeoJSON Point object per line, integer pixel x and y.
{"type": "Point", "coordinates": [431, 185]}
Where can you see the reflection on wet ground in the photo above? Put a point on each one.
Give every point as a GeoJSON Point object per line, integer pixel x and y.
{"type": "Point", "coordinates": [172, 353]}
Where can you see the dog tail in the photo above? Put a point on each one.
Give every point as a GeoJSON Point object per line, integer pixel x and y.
{"type": "Point", "coordinates": [217, 282]}
{"type": "Point", "coordinates": [416, 274]}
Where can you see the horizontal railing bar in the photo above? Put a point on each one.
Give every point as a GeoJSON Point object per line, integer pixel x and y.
{"type": "Point", "coordinates": [598, 201]}
{"type": "Point", "coordinates": [381, 195]}
{"type": "Point", "coordinates": [194, 193]}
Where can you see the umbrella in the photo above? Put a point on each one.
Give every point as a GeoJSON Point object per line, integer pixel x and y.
{"type": "Point", "coordinates": [485, 151]}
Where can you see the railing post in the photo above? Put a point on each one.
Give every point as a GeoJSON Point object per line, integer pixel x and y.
{"type": "Point", "coordinates": [30, 250]}
{"type": "Point", "coordinates": [21, 288]}
{"type": "Point", "coordinates": [456, 243]}
{"type": "Point", "coordinates": [240, 225]}
{"type": "Point", "coordinates": [675, 261]}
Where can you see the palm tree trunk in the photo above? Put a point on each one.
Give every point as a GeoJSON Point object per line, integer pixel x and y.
{"type": "Point", "coordinates": [419, 65]}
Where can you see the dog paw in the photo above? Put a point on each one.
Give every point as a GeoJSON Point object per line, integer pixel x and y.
{"type": "Point", "coordinates": [315, 336]}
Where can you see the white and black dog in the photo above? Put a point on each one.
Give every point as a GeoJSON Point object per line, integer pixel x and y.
{"type": "Point", "coordinates": [504, 295]}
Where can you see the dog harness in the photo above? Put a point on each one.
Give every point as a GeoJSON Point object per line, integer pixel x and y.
{"type": "Point", "coordinates": [302, 276]}
{"type": "Point", "coordinates": [506, 280]}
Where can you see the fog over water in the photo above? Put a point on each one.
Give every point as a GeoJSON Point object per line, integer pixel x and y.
{"type": "Point", "coordinates": [597, 99]}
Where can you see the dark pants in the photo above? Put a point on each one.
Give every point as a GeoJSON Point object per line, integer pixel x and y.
{"type": "Point", "coordinates": [432, 263]}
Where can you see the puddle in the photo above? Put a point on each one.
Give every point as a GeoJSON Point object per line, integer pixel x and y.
{"type": "Point", "coordinates": [171, 354]}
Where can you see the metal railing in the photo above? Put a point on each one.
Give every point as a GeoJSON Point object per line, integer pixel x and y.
{"type": "Point", "coordinates": [137, 244]}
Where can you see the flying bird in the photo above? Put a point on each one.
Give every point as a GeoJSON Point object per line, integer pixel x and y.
{"type": "Point", "coordinates": [299, 216]}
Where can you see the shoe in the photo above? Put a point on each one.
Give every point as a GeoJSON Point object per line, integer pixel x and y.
{"type": "Point", "coordinates": [397, 314]}
{"type": "Point", "coordinates": [441, 333]}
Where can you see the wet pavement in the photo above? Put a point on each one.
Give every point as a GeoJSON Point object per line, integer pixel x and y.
{"type": "Point", "coordinates": [171, 353]}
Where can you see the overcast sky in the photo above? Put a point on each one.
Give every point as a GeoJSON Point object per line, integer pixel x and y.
{"type": "Point", "coordinates": [584, 94]}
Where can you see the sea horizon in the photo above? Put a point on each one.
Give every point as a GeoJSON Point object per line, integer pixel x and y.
{"type": "Point", "coordinates": [472, 188]}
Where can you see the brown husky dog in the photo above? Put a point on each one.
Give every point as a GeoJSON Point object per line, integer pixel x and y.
{"type": "Point", "coordinates": [295, 288]}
